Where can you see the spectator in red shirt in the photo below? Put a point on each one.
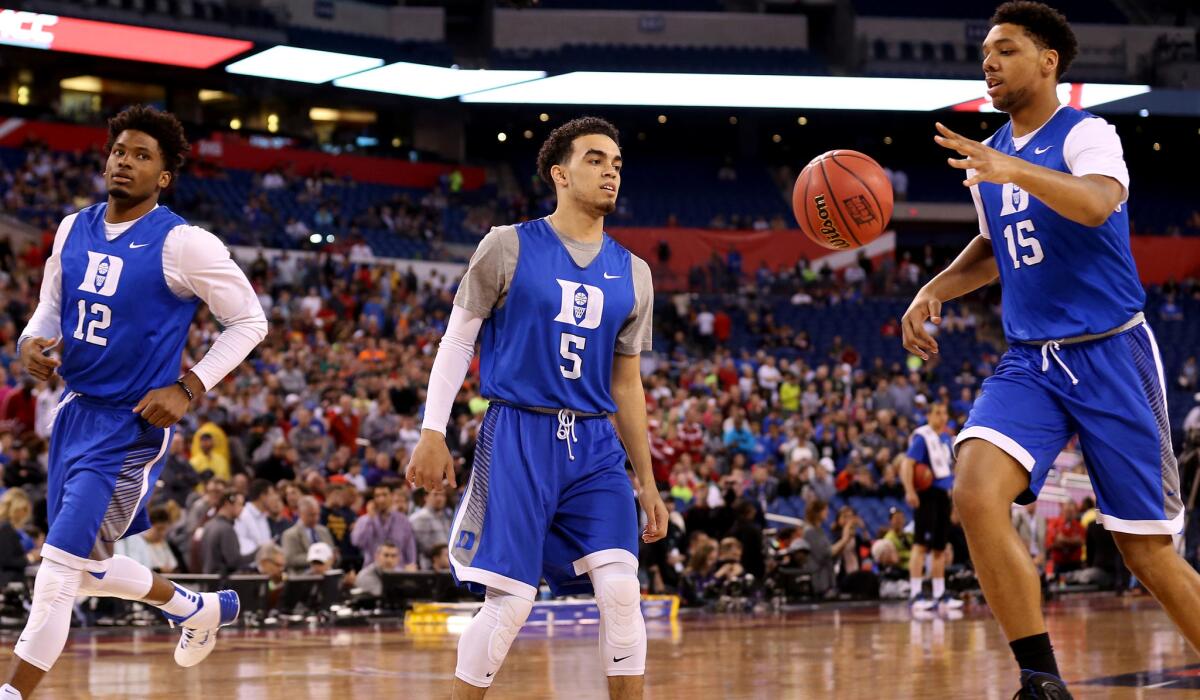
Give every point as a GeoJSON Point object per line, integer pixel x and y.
{"type": "Point", "coordinates": [722, 327]}
{"type": "Point", "coordinates": [1064, 539]}
{"type": "Point", "coordinates": [18, 407]}
{"type": "Point", "coordinates": [344, 423]}
{"type": "Point", "coordinates": [691, 435]}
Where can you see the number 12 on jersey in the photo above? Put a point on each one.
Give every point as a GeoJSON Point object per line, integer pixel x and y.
{"type": "Point", "coordinates": [565, 344]}
{"type": "Point", "coordinates": [101, 322]}
{"type": "Point", "coordinates": [1034, 256]}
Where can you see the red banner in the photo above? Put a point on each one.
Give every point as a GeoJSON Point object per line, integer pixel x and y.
{"type": "Point", "coordinates": [696, 246]}
{"type": "Point", "coordinates": [236, 152]}
{"type": "Point", "coordinates": [1162, 258]}
{"type": "Point", "coordinates": [233, 151]}
{"type": "Point", "coordinates": [54, 33]}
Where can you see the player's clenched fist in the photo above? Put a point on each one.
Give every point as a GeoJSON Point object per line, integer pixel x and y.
{"type": "Point", "coordinates": [33, 357]}
{"type": "Point", "coordinates": [431, 463]}
{"type": "Point", "coordinates": [163, 407]}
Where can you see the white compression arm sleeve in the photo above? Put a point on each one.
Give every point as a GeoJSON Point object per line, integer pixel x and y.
{"type": "Point", "coordinates": [450, 367]}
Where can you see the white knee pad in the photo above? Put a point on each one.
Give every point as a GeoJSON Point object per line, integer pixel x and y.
{"type": "Point", "coordinates": [487, 639]}
{"type": "Point", "coordinates": [622, 627]}
{"type": "Point", "coordinates": [45, 633]}
{"type": "Point", "coordinates": [119, 577]}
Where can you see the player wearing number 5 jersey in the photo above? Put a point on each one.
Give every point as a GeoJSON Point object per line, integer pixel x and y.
{"type": "Point", "coordinates": [1050, 188]}
{"type": "Point", "coordinates": [119, 292]}
{"type": "Point", "coordinates": [565, 312]}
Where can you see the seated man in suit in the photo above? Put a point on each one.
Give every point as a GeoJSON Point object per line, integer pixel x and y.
{"type": "Point", "coordinates": [307, 531]}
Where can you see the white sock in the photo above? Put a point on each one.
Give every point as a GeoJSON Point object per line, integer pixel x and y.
{"type": "Point", "coordinates": [939, 588]}
{"type": "Point", "coordinates": [915, 587]}
{"type": "Point", "coordinates": [7, 692]}
{"type": "Point", "coordinates": [182, 604]}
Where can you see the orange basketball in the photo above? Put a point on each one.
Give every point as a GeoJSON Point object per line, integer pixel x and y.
{"type": "Point", "coordinates": [922, 476]}
{"type": "Point", "coordinates": [842, 200]}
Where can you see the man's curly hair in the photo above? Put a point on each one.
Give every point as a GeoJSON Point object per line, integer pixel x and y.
{"type": "Point", "coordinates": [557, 147]}
{"type": "Point", "coordinates": [163, 126]}
{"type": "Point", "coordinates": [1045, 25]}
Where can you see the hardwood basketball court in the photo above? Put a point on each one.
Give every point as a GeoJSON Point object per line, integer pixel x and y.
{"type": "Point", "coordinates": [1108, 647]}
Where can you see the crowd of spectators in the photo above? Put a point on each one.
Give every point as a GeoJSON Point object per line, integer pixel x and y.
{"type": "Point", "coordinates": [295, 463]}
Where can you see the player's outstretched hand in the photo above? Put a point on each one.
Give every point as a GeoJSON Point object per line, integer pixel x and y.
{"type": "Point", "coordinates": [163, 407]}
{"type": "Point", "coordinates": [656, 515]}
{"type": "Point", "coordinates": [916, 339]}
{"type": "Point", "coordinates": [989, 164]}
{"type": "Point", "coordinates": [431, 463]}
{"type": "Point", "coordinates": [36, 361]}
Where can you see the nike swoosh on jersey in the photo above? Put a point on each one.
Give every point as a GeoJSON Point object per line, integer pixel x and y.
{"type": "Point", "coordinates": [138, 245]}
{"type": "Point", "coordinates": [1040, 151]}
{"type": "Point", "coordinates": [617, 661]}
{"type": "Point", "coordinates": [611, 277]}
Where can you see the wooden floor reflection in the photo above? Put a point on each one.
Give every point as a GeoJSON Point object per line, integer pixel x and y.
{"type": "Point", "coordinates": [874, 652]}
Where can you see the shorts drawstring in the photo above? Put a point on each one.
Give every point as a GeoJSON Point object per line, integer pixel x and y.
{"type": "Point", "coordinates": [1050, 349]}
{"type": "Point", "coordinates": [566, 430]}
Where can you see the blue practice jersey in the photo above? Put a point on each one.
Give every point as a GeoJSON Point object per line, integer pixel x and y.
{"type": "Point", "coordinates": [937, 450]}
{"type": "Point", "coordinates": [551, 344]}
{"type": "Point", "coordinates": [123, 329]}
{"type": "Point", "coordinates": [1060, 279]}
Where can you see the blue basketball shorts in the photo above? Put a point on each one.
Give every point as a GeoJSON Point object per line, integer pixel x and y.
{"type": "Point", "coordinates": [1031, 407]}
{"type": "Point", "coordinates": [104, 462]}
{"type": "Point", "coordinates": [530, 511]}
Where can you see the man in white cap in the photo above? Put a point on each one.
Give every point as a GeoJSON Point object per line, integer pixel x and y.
{"type": "Point", "coordinates": [320, 559]}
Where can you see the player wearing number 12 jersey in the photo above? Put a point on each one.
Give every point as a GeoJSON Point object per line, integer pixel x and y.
{"type": "Point", "coordinates": [1050, 187]}
{"type": "Point", "coordinates": [565, 312]}
{"type": "Point", "coordinates": [119, 292]}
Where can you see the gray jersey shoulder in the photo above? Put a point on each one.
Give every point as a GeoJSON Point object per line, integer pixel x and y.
{"type": "Point", "coordinates": [489, 275]}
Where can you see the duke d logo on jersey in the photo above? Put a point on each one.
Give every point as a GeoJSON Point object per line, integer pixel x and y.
{"type": "Point", "coordinates": [1013, 199]}
{"type": "Point", "coordinates": [102, 275]}
{"type": "Point", "coordinates": [582, 304]}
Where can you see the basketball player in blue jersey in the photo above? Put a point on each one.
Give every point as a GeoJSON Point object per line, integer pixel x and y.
{"type": "Point", "coordinates": [1050, 188]}
{"type": "Point", "coordinates": [119, 292]}
{"type": "Point", "coordinates": [931, 444]}
{"type": "Point", "coordinates": [565, 312]}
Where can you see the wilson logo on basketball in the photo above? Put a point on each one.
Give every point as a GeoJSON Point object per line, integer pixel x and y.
{"type": "Point", "coordinates": [828, 230]}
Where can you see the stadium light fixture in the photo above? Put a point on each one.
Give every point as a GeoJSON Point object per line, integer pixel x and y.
{"type": "Point", "coordinates": [773, 91]}
{"type": "Point", "coordinates": [302, 65]}
{"type": "Point", "coordinates": [433, 82]}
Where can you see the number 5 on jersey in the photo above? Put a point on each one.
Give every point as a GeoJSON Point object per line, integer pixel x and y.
{"type": "Point", "coordinates": [565, 343]}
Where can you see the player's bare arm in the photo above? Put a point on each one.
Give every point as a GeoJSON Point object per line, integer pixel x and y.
{"type": "Point", "coordinates": [1087, 199]}
{"type": "Point", "coordinates": [630, 397]}
{"type": "Point", "coordinates": [975, 267]}
{"type": "Point", "coordinates": [906, 478]}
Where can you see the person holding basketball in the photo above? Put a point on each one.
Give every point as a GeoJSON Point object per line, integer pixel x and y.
{"type": "Point", "coordinates": [930, 449]}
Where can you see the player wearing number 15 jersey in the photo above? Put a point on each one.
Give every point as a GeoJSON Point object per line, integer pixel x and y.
{"type": "Point", "coordinates": [1050, 187]}
{"type": "Point", "coordinates": [119, 292]}
{"type": "Point", "coordinates": [565, 312]}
